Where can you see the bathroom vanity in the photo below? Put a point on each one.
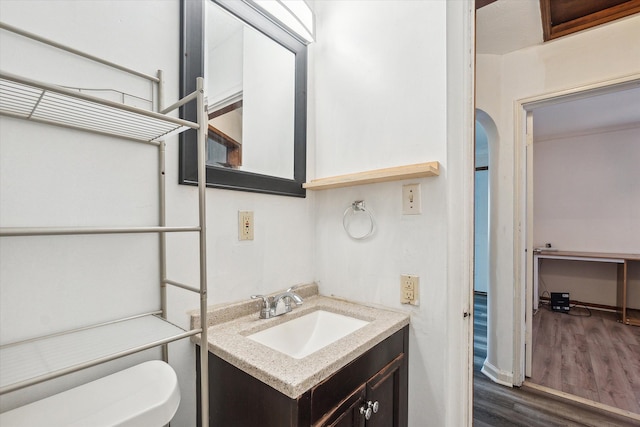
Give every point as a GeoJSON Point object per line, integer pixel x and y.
{"type": "Point", "coordinates": [358, 380]}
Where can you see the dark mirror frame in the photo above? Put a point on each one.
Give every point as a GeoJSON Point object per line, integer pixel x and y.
{"type": "Point", "coordinates": [192, 66]}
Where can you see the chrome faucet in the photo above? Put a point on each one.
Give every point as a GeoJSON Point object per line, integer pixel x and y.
{"type": "Point", "coordinates": [278, 304]}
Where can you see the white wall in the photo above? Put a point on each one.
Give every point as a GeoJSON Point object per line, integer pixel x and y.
{"type": "Point", "coordinates": [114, 182]}
{"type": "Point", "coordinates": [586, 199]}
{"type": "Point", "coordinates": [377, 85]}
{"type": "Point", "coordinates": [585, 192]}
{"type": "Point", "coordinates": [379, 99]}
{"type": "Point", "coordinates": [606, 52]}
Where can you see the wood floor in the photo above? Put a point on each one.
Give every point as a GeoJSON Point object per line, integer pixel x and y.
{"type": "Point", "coordinates": [498, 406]}
{"type": "Point", "coordinates": [479, 331]}
{"type": "Point", "coordinates": [595, 357]}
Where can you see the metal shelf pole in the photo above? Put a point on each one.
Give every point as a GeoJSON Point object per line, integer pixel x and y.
{"type": "Point", "coordinates": [182, 285]}
{"type": "Point", "coordinates": [94, 362]}
{"type": "Point", "coordinates": [162, 220]}
{"type": "Point", "coordinates": [60, 231]}
{"type": "Point", "coordinates": [75, 51]}
{"type": "Point", "coordinates": [202, 186]}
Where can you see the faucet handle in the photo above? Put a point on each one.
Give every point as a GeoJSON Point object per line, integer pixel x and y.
{"type": "Point", "coordinates": [266, 306]}
{"type": "Point", "coordinates": [265, 300]}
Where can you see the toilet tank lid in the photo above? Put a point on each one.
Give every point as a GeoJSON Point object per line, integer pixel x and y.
{"type": "Point", "coordinates": [143, 395]}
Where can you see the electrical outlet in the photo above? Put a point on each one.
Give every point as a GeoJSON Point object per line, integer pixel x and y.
{"type": "Point", "coordinates": [411, 199]}
{"type": "Point", "coordinates": [409, 289]}
{"type": "Point", "coordinates": [407, 296]}
{"type": "Point", "coordinates": [245, 225]}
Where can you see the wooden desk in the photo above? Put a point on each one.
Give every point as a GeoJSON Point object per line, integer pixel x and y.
{"type": "Point", "coordinates": [622, 260]}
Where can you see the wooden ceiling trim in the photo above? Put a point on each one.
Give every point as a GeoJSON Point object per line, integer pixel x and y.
{"type": "Point", "coordinates": [552, 31]}
{"type": "Point", "coordinates": [567, 10]}
{"type": "Point", "coordinates": [483, 3]}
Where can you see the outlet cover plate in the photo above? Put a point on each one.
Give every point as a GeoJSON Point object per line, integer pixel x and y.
{"type": "Point", "coordinates": [245, 225]}
{"type": "Point", "coordinates": [410, 289]}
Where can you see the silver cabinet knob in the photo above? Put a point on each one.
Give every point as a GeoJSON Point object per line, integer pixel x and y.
{"type": "Point", "coordinates": [366, 412]}
{"type": "Point", "coordinates": [370, 409]}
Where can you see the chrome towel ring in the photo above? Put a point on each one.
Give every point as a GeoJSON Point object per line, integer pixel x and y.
{"type": "Point", "coordinates": [355, 208]}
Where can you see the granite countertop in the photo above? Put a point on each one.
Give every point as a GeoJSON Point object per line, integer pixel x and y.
{"type": "Point", "coordinates": [229, 326]}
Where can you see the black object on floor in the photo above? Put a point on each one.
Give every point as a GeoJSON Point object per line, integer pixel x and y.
{"type": "Point", "coordinates": [560, 301]}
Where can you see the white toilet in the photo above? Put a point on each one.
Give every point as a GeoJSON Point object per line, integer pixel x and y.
{"type": "Point", "coordinates": [145, 395]}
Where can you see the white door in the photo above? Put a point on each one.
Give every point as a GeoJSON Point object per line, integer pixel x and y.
{"type": "Point", "coordinates": [529, 246]}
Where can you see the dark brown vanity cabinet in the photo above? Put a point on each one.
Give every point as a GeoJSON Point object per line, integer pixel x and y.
{"type": "Point", "coordinates": [374, 404]}
{"type": "Point", "coordinates": [371, 391]}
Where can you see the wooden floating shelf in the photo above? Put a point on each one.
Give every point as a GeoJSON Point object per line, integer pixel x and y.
{"type": "Point", "coordinates": [419, 170]}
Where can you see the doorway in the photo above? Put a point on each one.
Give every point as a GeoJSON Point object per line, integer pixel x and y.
{"type": "Point", "coordinates": [567, 225]}
{"type": "Point", "coordinates": [481, 247]}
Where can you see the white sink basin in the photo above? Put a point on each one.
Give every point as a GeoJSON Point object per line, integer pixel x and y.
{"type": "Point", "coordinates": [304, 335]}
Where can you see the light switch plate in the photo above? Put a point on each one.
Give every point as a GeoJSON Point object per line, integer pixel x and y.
{"type": "Point", "coordinates": [411, 199]}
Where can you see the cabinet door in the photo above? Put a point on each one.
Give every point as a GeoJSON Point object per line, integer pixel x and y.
{"type": "Point", "coordinates": [384, 390]}
{"type": "Point", "coordinates": [347, 413]}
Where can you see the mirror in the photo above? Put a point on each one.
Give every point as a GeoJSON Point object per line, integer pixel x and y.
{"type": "Point", "coordinates": [255, 83]}
{"type": "Point", "coordinates": [250, 84]}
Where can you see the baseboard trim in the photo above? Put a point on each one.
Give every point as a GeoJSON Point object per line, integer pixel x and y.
{"type": "Point", "coordinates": [496, 375]}
{"type": "Point", "coordinates": [590, 404]}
